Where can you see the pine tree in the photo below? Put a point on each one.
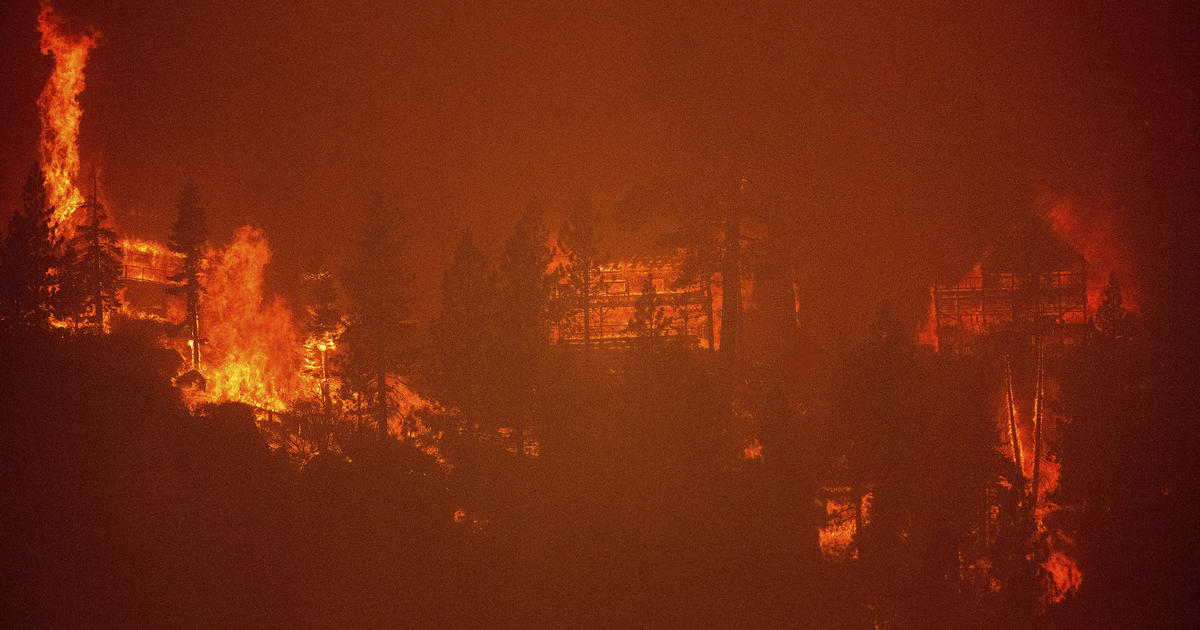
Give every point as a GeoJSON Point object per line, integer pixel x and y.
{"type": "Point", "coordinates": [30, 260]}
{"type": "Point", "coordinates": [710, 210]}
{"type": "Point", "coordinates": [702, 260]}
{"type": "Point", "coordinates": [187, 237]}
{"type": "Point", "coordinates": [524, 316]}
{"type": "Point", "coordinates": [650, 321]}
{"type": "Point", "coordinates": [322, 326]}
{"type": "Point", "coordinates": [97, 268]}
{"type": "Point", "coordinates": [580, 238]}
{"type": "Point", "coordinates": [465, 331]}
{"type": "Point", "coordinates": [1110, 315]}
{"type": "Point", "coordinates": [379, 329]}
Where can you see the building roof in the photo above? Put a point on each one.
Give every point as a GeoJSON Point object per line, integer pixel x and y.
{"type": "Point", "coordinates": [1031, 246]}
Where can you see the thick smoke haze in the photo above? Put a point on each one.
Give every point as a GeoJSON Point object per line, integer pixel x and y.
{"type": "Point", "coordinates": [899, 139]}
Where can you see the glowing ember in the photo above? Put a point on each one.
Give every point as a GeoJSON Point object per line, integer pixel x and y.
{"type": "Point", "coordinates": [837, 535]}
{"type": "Point", "coordinates": [752, 450]}
{"type": "Point", "coordinates": [60, 112]}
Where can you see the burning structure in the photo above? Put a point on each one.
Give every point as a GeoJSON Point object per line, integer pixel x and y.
{"type": "Point", "coordinates": [145, 269]}
{"type": "Point", "coordinates": [1032, 284]}
{"type": "Point", "coordinates": [618, 289]}
{"type": "Point", "coordinates": [1019, 308]}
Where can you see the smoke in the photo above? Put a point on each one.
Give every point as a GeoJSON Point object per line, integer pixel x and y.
{"type": "Point", "coordinates": [1091, 227]}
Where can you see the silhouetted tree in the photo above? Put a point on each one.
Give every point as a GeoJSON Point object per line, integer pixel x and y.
{"type": "Point", "coordinates": [731, 270]}
{"type": "Point", "coordinates": [524, 316]}
{"type": "Point", "coordinates": [379, 329]}
{"type": "Point", "coordinates": [97, 269]}
{"type": "Point", "coordinates": [580, 238]}
{"type": "Point", "coordinates": [709, 212]}
{"type": "Point", "coordinates": [30, 259]}
{"type": "Point", "coordinates": [187, 237]}
{"type": "Point", "coordinates": [322, 325]}
{"type": "Point", "coordinates": [1111, 315]}
{"type": "Point", "coordinates": [791, 459]}
{"type": "Point", "coordinates": [1128, 480]}
{"type": "Point", "coordinates": [650, 320]}
{"type": "Point", "coordinates": [464, 333]}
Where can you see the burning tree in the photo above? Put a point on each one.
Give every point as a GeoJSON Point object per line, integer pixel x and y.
{"type": "Point", "coordinates": [188, 235]}
{"type": "Point", "coordinates": [322, 326]}
{"type": "Point", "coordinates": [710, 213]}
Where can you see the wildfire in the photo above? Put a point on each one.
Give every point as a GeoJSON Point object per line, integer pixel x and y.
{"type": "Point", "coordinates": [251, 353]}
{"type": "Point", "coordinates": [60, 112]}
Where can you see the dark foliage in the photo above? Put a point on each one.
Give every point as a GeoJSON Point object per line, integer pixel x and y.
{"type": "Point", "coordinates": [187, 238]}
{"type": "Point", "coordinates": [29, 260]}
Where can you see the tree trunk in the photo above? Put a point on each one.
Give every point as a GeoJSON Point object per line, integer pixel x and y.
{"type": "Point", "coordinates": [194, 307]}
{"type": "Point", "coordinates": [1037, 432]}
{"type": "Point", "coordinates": [731, 284]}
{"type": "Point", "coordinates": [1012, 424]}
{"type": "Point", "coordinates": [587, 304]}
{"type": "Point", "coordinates": [710, 328]}
{"type": "Point", "coordinates": [381, 401]}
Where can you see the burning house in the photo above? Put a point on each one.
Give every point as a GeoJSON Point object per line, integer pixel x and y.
{"type": "Point", "coordinates": [1031, 285]}
{"type": "Point", "coordinates": [145, 269]}
{"type": "Point", "coordinates": [1019, 308]}
{"type": "Point", "coordinates": [617, 288]}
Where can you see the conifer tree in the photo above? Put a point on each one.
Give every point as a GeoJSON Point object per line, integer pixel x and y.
{"type": "Point", "coordinates": [464, 332]}
{"type": "Point", "coordinates": [1110, 315]}
{"type": "Point", "coordinates": [379, 329]}
{"type": "Point", "coordinates": [524, 316]}
{"type": "Point", "coordinates": [97, 267]}
{"type": "Point", "coordinates": [29, 259]}
{"type": "Point", "coordinates": [526, 285]}
{"type": "Point", "coordinates": [650, 320]}
{"type": "Point", "coordinates": [580, 239]}
{"type": "Point", "coordinates": [322, 327]}
{"type": "Point", "coordinates": [187, 237]}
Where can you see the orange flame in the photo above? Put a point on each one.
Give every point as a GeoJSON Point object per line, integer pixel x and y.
{"type": "Point", "coordinates": [752, 449]}
{"type": "Point", "coordinates": [1065, 575]}
{"type": "Point", "coordinates": [927, 335]}
{"type": "Point", "coordinates": [252, 347]}
{"type": "Point", "coordinates": [836, 537]}
{"type": "Point", "coordinates": [60, 111]}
